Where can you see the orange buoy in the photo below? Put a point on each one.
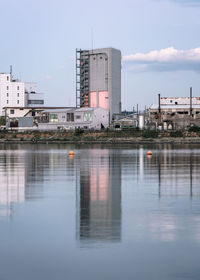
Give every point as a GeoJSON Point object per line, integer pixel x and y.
{"type": "Point", "coordinates": [149, 153]}
{"type": "Point", "coordinates": [71, 153]}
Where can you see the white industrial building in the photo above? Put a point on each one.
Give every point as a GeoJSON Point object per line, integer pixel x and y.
{"type": "Point", "coordinates": [98, 79]}
{"type": "Point", "coordinates": [70, 119]}
{"type": "Point", "coordinates": [58, 118]}
{"type": "Point", "coordinates": [14, 93]}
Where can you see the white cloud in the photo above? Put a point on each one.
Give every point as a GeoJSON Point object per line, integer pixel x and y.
{"type": "Point", "coordinates": [169, 59]}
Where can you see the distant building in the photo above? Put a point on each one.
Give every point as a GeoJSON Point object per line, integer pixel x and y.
{"type": "Point", "coordinates": [176, 112]}
{"type": "Point", "coordinates": [52, 118]}
{"type": "Point", "coordinates": [98, 79]}
{"type": "Point", "coordinates": [14, 93]}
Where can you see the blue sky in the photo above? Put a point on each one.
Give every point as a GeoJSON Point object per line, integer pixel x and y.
{"type": "Point", "coordinates": [39, 39]}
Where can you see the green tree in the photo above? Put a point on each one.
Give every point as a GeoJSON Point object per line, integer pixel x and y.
{"type": "Point", "coordinates": [2, 121]}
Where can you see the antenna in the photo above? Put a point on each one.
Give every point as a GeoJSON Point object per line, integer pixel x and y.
{"type": "Point", "coordinates": [11, 70]}
{"type": "Point", "coordinates": [92, 39]}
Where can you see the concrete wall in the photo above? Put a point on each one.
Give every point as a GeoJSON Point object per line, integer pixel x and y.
{"type": "Point", "coordinates": [105, 79]}
{"type": "Point", "coordinates": [179, 100]}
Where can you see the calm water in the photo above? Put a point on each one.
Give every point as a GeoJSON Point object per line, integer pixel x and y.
{"type": "Point", "coordinates": [106, 213]}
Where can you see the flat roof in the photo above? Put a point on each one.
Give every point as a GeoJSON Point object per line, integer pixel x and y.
{"type": "Point", "coordinates": [39, 108]}
{"type": "Point", "coordinates": [171, 106]}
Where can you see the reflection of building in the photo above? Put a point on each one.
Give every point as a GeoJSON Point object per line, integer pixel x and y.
{"type": "Point", "coordinates": [12, 187]}
{"type": "Point", "coordinates": [19, 170]}
{"type": "Point", "coordinates": [176, 171]}
{"type": "Point", "coordinates": [99, 197]}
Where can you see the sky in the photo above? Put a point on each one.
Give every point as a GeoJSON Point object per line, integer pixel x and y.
{"type": "Point", "coordinates": [159, 41]}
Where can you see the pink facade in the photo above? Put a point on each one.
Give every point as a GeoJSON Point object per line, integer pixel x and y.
{"type": "Point", "coordinates": [93, 99]}
{"type": "Point", "coordinates": [103, 100]}
{"type": "Point", "coordinates": [99, 99]}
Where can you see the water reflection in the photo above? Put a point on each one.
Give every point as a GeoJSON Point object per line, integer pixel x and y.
{"type": "Point", "coordinates": [12, 186]}
{"type": "Point", "coordinates": [19, 171]}
{"type": "Point", "coordinates": [99, 197]}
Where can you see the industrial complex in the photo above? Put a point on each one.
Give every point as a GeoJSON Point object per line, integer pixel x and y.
{"type": "Point", "coordinates": [97, 98]}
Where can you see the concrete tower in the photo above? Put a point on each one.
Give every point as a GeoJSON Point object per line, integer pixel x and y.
{"type": "Point", "coordinates": [98, 79]}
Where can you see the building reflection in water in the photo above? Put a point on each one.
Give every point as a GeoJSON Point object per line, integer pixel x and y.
{"type": "Point", "coordinates": [12, 174]}
{"type": "Point", "coordinates": [99, 197]}
{"type": "Point", "coordinates": [21, 175]}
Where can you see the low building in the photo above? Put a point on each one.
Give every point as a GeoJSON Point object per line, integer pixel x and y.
{"type": "Point", "coordinates": [175, 113]}
{"type": "Point", "coordinates": [52, 118]}
{"type": "Point", "coordinates": [73, 118]}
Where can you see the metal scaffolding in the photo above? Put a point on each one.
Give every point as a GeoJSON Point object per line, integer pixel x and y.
{"type": "Point", "coordinates": [82, 78]}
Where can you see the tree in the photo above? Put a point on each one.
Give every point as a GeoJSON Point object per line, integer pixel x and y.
{"type": "Point", "coordinates": [2, 121]}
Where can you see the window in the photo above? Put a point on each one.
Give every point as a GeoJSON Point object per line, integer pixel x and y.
{"type": "Point", "coordinates": [70, 117]}
{"type": "Point", "coordinates": [7, 78]}
{"type": "Point", "coordinates": [17, 87]}
{"type": "Point", "coordinates": [7, 94]}
{"type": "Point", "coordinates": [176, 103]}
{"type": "Point", "coordinates": [17, 101]}
{"type": "Point", "coordinates": [35, 102]}
{"type": "Point", "coordinates": [7, 101]}
{"type": "Point", "coordinates": [12, 111]}
{"type": "Point", "coordinates": [7, 87]}
{"type": "Point", "coordinates": [87, 117]}
{"type": "Point", "coordinates": [18, 94]}
{"type": "Point", "coordinates": [170, 101]}
{"type": "Point", "coordinates": [53, 118]}
{"type": "Point", "coordinates": [78, 117]}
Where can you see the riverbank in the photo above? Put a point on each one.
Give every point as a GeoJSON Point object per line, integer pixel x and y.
{"type": "Point", "coordinates": [100, 137]}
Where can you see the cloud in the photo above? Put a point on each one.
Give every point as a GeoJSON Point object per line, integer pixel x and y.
{"type": "Point", "coordinates": [187, 3]}
{"type": "Point", "coordinates": [169, 59]}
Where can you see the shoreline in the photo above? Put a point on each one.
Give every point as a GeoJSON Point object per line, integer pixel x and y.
{"type": "Point", "coordinates": [121, 141]}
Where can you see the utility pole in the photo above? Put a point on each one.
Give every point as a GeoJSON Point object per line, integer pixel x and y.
{"type": "Point", "coordinates": [190, 105]}
{"type": "Point", "coordinates": [159, 110]}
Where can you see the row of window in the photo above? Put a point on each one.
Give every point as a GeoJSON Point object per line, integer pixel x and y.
{"type": "Point", "coordinates": [8, 87]}
{"type": "Point", "coordinates": [8, 101]}
{"type": "Point", "coordinates": [70, 117]}
{"type": "Point", "coordinates": [17, 94]}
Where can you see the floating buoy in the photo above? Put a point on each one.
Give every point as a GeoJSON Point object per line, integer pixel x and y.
{"type": "Point", "coordinates": [149, 153]}
{"type": "Point", "coordinates": [71, 153]}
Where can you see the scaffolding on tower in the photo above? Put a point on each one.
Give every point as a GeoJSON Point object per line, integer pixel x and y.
{"type": "Point", "coordinates": [82, 78]}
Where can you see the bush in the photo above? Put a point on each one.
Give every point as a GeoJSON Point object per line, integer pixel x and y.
{"type": "Point", "coordinates": [2, 120]}
{"type": "Point", "coordinates": [177, 133]}
{"type": "Point", "coordinates": [150, 134]}
{"type": "Point", "coordinates": [194, 128]}
{"type": "Point", "coordinates": [36, 138]}
{"type": "Point", "coordinates": [78, 132]}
